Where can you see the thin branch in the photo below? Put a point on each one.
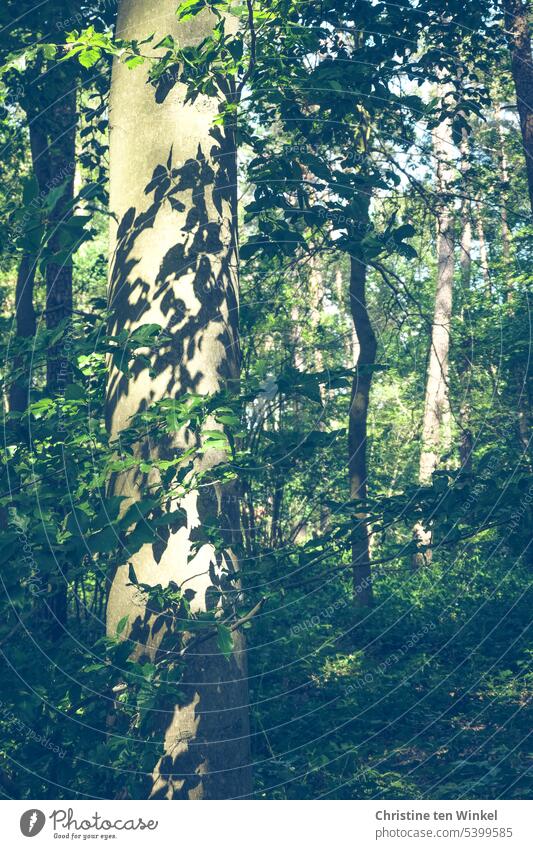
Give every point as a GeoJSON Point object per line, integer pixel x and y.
{"type": "Point", "coordinates": [212, 632]}
{"type": "Point", "coordinates": [253, 47]}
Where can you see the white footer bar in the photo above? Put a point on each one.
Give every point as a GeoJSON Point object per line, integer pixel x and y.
{"type": "Point", "coordinates": [268, 825]}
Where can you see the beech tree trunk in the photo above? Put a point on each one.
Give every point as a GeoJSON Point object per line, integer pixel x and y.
{"type": "Point", "coordinates": [365, 358]}
{"type": "Point", "coordinates": [519, 41]}
{"type": "Point", "coordinates": [174, 263]}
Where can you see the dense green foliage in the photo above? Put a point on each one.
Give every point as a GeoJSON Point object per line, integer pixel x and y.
{"type": "Point", "coordinates": [425, 694]}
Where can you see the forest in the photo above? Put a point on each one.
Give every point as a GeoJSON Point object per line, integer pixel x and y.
{"type": "Point", "coordinates": [266, 488]}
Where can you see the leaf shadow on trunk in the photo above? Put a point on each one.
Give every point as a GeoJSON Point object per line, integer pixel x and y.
{"type": "Point", "coordinates": [204, 732]}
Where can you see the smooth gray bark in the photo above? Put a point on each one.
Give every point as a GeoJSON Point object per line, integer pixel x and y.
{"type": "Point", "coordinates": [174, 263]}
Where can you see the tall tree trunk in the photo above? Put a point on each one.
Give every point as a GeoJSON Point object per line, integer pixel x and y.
{"type": "Point", "coordinates": [50, 105]}
{"type": "Point", "coordinates": [519, 41]}
{"type": "Point", "coordinates": [436, 399]}
{"type": "Point", "coordinates": [466, 243]}
{"type": "Point", "coordinates": [24, 309]}
{"type": "Point", "coordinates": [466, 439]}
{"type": "Point", "coordinates": [466, 216]}
{"type": "Point", "coordinates": [25, 327]}
{"type": "Point", "coordinates": [316, 303]}
{"type": "Point", "coordinates": [277, 501]}
{"type": "Point", "coordinates": [357, 428]}
{"type": "Point", "coordinates": [174, 263]}
{"type": "Point", "coordinates": [483, 250]}
{"type": "Point", "coordinates": [504, 183]}
{"type": "Point", "coordinates": [61, 122]}
{"type": "Point", "coordinates": [62, 153]}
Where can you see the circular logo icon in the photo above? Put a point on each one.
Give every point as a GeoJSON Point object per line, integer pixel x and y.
{"type": "Point", "coordinates": [32, 822]}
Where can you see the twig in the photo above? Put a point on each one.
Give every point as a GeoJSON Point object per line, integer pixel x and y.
{"type": "Point", "coordinates": [253, 43]}
{"type": "Point", "coordinates": [212, 632]}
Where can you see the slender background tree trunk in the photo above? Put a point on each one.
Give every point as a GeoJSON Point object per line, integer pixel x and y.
{"type": "Point", "coordinates": [25, 319]}
{"type": "Point", "coordinates": [365, 358]}
{"type": "Point", "coordinates": [50, 105]}
{"type": "Point", "coordinates": [504, 183]}
{"type": "Point", "coordinates": [483, 250]}
{"type": "Point", "coordinates": [466, 438]}
{"type": "Point", "coordinates": [62, 121]}
{"type": "Point", "coordinates": [436, 398]}
{"type": "Point", "coordinates": [62, 153]}
{"type": "Point", "coordinates": [25, 328]}
{"type": "Point", "coordinates": [466, 243]}
{"type": "Point", "coordinates": [465, 410]}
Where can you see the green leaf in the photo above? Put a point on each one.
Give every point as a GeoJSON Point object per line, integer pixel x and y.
{"type": "Point", "coordinates": [103, 542]}
{"type": "Point", "coordinates": [406, 231]}
{"type": "Point", "coordinates": [189, 8]}
{"type": "Point", "coordinates": [167, 42]}
{"type": "Point", "coordinates": [49, 51]}
{"type": "Point", "coordinates": [225, 640]}
{"type": "Point", "coordinates": [231, 421]}
{"type": "Point", "coordinates": [89, 57]}
{"type": "Point", "coordinates": [122, 624]}
{"type": "Point", "coordinates": [141, 535]}
{"type": "Point", "coordinates": [73, 392]}
{"type": "Point", "coordinates": [134, 61]}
